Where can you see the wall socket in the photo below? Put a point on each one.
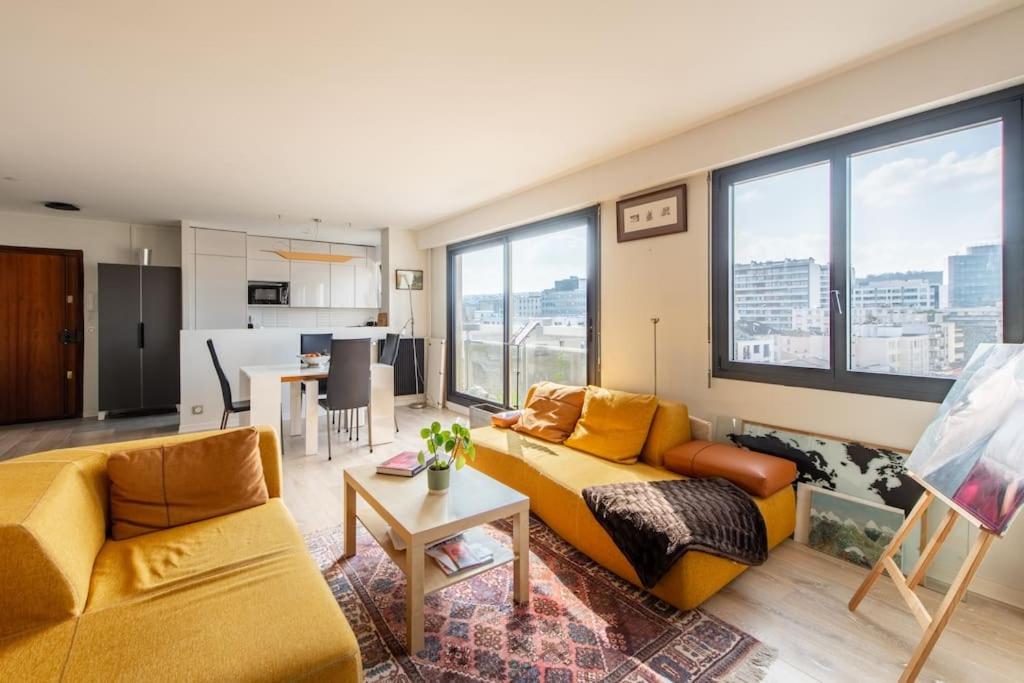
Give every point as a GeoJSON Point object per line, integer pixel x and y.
{"type": "Point", "coordinates": [197, 410]}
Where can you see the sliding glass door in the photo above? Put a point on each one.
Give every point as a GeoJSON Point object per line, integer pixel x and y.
{"type": "Point", "coordinates": [522, 307]}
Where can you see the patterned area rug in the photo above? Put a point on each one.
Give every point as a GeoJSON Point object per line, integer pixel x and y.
{"type": "Point", "coordinates": [582, 624]}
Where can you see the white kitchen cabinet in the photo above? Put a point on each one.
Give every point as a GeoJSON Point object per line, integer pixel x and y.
{"type": "Point", "coordinates": [220, 242]}
{"type": "Point", "coordinates": [262, 248]}
{"type": "Point", "coordinates": [310, 284]}
{"type": "Point", "coordinates": [357, 252]}
{"type": "Point", "coordinates": [269, 271]}
{"type": "Point", "coordinates": [343, 285]}
{"type": "Point", "coordinates": [221, 292]}
{"type": "Point", "coordinates": [311, 247]}
{"type": "Point", "coordinates": [367, 285]}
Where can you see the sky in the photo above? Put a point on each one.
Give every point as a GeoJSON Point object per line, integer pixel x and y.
{"type": "Point", "coordinates": [536, 263]}
{"type": "Point", "coordinates": [911, 205]}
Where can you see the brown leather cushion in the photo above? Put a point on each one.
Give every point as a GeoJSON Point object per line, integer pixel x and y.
{"type": "Point", "coordinates": [165, 486]}
{"type": "Point", "coordinates": [551, 411]}
{"type": "Point", "coordinates": [756, 473]}
{"type": "Point", "coordinates": [506, 419]}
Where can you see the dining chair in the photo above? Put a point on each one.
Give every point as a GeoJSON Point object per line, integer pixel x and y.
{"type": "Point", "coordinates": [389, 356]}
{"type": "Point", "coordinates": [230, 406]}
{"type": "Point", "coordinates": [316, 343]}
{"type": "Point", "coordinates": [348, 385]}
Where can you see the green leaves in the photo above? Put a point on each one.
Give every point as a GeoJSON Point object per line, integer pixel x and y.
{"type": "Point", "coordinates": [452, 446]}
{"type": "Point", "coordinates": [421, 458]}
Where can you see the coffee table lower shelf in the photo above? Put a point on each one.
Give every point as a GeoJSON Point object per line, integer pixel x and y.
{"type": "Point", "coordinates": [434, 579]}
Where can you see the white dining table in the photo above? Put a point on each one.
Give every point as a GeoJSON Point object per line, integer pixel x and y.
{"type": "Point", "coordinates": [263, 383]}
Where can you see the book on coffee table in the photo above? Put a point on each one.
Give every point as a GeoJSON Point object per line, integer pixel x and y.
{"type": "Point", "coordinates": [405, 464]}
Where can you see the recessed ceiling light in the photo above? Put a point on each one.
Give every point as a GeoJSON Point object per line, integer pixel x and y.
{"type": "Point", "coordinates": [61, 206]}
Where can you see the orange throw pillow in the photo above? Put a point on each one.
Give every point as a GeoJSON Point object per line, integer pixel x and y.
{"type": "Point", "coordinates": [166, 486]}
{"type": "Point", "coordinates": [505, 419]}
{"type": "Point", "coordinates": [551, 411]}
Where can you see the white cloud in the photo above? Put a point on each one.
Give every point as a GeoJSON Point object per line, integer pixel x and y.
{"type": "Point", "coordinates": [900, 181]}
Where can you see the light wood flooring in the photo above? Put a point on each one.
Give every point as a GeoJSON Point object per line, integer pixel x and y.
{"type": "Point", "coordinates": [795, 602]}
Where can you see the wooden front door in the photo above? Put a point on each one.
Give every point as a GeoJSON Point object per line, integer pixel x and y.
{"type": "Point", "coordinates": [40, 334]}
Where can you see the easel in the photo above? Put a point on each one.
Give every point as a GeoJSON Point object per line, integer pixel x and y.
{"type": "Point", "coordinates": [933, 625]}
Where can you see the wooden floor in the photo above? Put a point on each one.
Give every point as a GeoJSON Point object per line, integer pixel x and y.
{"type": "Point", "coordinates": [795, 602]}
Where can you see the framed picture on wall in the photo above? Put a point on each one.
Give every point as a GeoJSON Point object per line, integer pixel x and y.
{"type": "Point", "coordinates": [661, 212]}
{"type": "Point", "coordinates": [408, 279]}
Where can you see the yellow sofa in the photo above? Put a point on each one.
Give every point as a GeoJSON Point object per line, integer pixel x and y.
{"type": "Point", "coordinates": [231, 598]}
{"type": "Point", "coordinates": [554, 476]}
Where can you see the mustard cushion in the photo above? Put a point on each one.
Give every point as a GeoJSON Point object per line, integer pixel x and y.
{"type": "Point", "coordinates": [170, 485]}
{"type": "Point", "coordinates": [551, 411]}
{"type": "Point", "coordinates": [152, 565]}
{"type": "Point", "coordinates": [670, 427]}
{"type": "Point", "coordinates": [51, 527]}
{"type": "Point", "coordinates": [216, 601]}
{"type": "Point", "coordinates": [613, 424]}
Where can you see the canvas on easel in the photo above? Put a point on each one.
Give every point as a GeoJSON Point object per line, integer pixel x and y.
{"type": "Point", "coordinates": [972, 455]}
{"type": "Point", "coordinates": [972, 458]}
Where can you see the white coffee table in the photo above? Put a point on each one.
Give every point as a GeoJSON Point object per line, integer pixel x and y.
{"type": "Point", "coordinates": [420, 519]}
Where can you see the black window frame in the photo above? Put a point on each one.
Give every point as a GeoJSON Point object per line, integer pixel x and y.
{"type": "Point", "coordinates": [592, 218]}
{"type": "Point", "coordinates": [1007, 105]}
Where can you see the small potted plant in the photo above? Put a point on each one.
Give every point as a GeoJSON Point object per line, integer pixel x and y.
{"type": "Point", "coordinates": [449, 447]}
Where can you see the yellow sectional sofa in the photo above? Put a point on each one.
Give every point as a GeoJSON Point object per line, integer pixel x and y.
{"type": "Point", "coordinates": [554, 476]}
{"type": "Point", "coordinates": [234, 598]}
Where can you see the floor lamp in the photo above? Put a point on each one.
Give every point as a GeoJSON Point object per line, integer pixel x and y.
{"type": "Point", "coordinates": [405, 281]}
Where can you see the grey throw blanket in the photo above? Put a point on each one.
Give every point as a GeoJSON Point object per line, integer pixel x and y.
{"type": "Point", "coordinates": [655, 523]}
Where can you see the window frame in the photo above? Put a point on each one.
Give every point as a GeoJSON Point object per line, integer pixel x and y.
{"type": "Point", "coordinates": [1007, 105]}
{"type": "Point", "coordinates": [591, 216]}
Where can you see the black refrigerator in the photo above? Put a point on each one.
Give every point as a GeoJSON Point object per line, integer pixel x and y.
{"type": "Point", "coordinates": [139, 324]}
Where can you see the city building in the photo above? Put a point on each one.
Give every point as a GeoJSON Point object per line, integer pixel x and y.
{"type": "Point", "coordinates": [976, 278]}
{"type": "Point", "coordinates": [568, 298]}
{"type": "Point", "coordinates": [765, 293]}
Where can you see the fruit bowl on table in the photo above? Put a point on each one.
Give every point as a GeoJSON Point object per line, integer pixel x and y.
{"type": "Point", "coordinates": [310, 360]}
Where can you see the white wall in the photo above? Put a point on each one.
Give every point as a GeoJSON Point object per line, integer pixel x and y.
{"type": "Point", "coordinates": [100, 242]}
{"type": "Point", "coordinates": [668, 276]}
{"type": "Point", "coordinates": [401, 252]}
{"type": "Point", "coordinates": [981, 57]}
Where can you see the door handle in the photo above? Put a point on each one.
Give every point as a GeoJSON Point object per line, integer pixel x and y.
{"type": "Point", "coordinates": [142, 335]}
{"type": "Point", "coordinates": [839, 303]}
{"type": "Point", "coordinates": [67, 336]}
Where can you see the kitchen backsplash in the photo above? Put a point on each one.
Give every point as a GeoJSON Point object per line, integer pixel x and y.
{"type": "Point", "coordinates": [273, 316]}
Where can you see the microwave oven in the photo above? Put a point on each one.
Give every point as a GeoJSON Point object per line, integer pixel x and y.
{"type": "Point", "coordinates": [268, 293]}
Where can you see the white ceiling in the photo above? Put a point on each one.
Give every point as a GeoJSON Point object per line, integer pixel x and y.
{"type": "Point", "coordinates": [385, 113]}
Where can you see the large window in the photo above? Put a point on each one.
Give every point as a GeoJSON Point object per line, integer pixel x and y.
{"type": "Point", "coordinates": [522, 308]}
{"type": "Point", "coordinates": [875, 262]}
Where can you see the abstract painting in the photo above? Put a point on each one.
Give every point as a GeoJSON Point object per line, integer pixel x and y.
{"type": "Point", "coordinates": [972, 454]}
{"type": "Point", "coordinates": [842, 526]}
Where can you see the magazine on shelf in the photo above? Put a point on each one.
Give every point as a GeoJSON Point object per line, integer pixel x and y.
{"type": "Point", "coordinates": [396, 540]}
{"type": "Point", "coordinates": [405, 464]}
{"type": "Point", "coordinates": [456, 554]}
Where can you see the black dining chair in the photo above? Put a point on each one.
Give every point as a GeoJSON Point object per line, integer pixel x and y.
{"type": "Point", "coordinates": [348, 385]}
{"type": "Point", "coordinates": [230, 406]}
{"type": "Point", "coordinates": [316, 343]}
{"type": "Point", "coordinates": [389, 356]}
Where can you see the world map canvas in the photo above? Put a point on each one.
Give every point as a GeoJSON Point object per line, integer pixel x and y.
{"type": "Point", "coordinates": [865, 472]}
{"type": "Point", "coordinates": [972, 454]}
